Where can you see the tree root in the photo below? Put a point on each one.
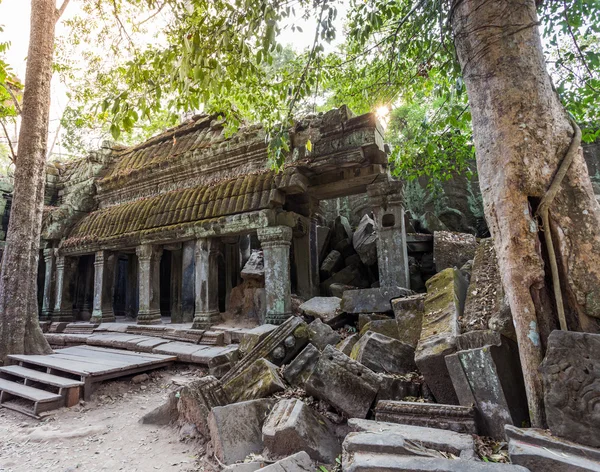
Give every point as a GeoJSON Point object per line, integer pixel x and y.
{"type": "Point", "coordinates": [543, 213]}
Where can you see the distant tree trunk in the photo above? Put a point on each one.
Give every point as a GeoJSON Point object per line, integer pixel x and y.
{"type": "Point", "coordinates": [19, 328]}
{"type": "Point", "coordinates": [522, 134]}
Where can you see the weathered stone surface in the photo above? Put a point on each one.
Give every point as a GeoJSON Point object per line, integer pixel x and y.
{"type": "Point", "coordinates": [373, 300]}
{"type": "Point", "coordinates": [452, 249]}
{"type": "Point", "coordinates": [443, 440]}
{"type": "Point", "coordinates": [252, 337]}
{"type": "Point", "coordinates": [377, 443]}
{"type": "Point", "coordinates": [164, 414]}
{"type": "Point", "coordinates": [279, 347]}
{"type": "Point", "coordinates": [486, 305]}
{"type": "Point", "coordinates": [255, 267]}
{"type": "Point", "coordinates": [388, 327]}
{"type": "Point", "coordinates": [196, 401]}
{"type": "Point", "coordinates": [331, 264]}
{"type": "Point", "coordinates": [244, 467]}
{"type": "Point", "coordinates": [391, 462]}
{"type": "Point", "coordinates": [444, 304]}
{"type": "Point", "coordinates": [292, 427]}
{"type": "Point", "coordinates": [341, 230]}
{"type": "Point", "coordinates": [344, 247]}
{"type": "Point", "coordinates": [337, 290]}
{"type": "Point", "coordinates": [324, 308]}
{"type": "Point", "coordinates": [490, 378]}
{"type": "Point", "coordinates": [346, 345]}
{"type": "Point", "coordinates": [540, 451]}
{"type": "Point", "coordinates": [394, 387]}
{"type": "Point", "coordinates": [460, 419]}
{"type": "Point", "coordinates": [381, 353]}
{"type": "Point", "coordinates": [344, 383]}
{"type": "Point", "coordinates": [259, 380]}
{"type": "Point", "coordinates": [245, 300]}
{"type": "Point", "coordinates": [409, 318]}
{"type": "Point", "coordinates": [364, 240]}
{"type": "Point", "coordinates": [365, 318]}
{"type": "Point", "coordinates": [323, 237]}
{"type": "Point", "coordinates": [321, 335]}
{"type": "Point", "coordinates": [236, 429]}
{"type": "Point", "coordinates": [350, 275]}
{"type": "Point", "coordinates": [299, 462]}
{"type": "Point", "coordinates": [571, 376]}
{"type": "Point", "coordinates": [300, 369]}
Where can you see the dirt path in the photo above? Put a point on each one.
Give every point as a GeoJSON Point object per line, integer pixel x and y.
{"type": "Point", "coordinates": [103, 434]}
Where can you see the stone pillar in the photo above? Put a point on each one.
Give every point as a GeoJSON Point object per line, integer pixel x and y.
{"type": "Point", "coordinates": [207, 284]}
{"type": "Point", "coordinates": [306, 256]}
{"type": "Point", "coordinates": [131, 290]}
{"type": "Point", "coordinates": [176, 279]}
{"type": "Point", "coordinates": [104, 278]}
{"type": "Point", "coordinates": [49, 259]}
{"type": "Point", "coordinates": [275, 242]}
{"type": "Point", "coordinates": [188, 282]}
{"type": "Point", "coordinates": [149, 284]}
{"type": "Point", "coordinates": [63, 301]}
{"type": "Point", "coordinates": [87, 301]}
{"type": "Point", "coordinates": [387, 200]}
{"type": "Point", "coordinates": [232, 267]}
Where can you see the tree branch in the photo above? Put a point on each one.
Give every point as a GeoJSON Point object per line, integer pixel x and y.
{"type": "Point", "coordinates": [62, 9]}
{"type": "Point", "coordinates": [12, 151]}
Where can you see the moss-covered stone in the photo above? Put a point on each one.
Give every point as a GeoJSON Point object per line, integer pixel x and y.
{"type": "Point", "coordinates": [259, 380]}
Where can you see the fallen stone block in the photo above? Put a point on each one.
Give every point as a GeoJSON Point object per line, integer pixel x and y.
{"type": "Point", "coordinates": [571, 376]}
{"type": "Point", "coordinates": [196, 401]}
{"type": "Point", "coordinates": [236, 429]}
{"type": "Point", "coordinates": [323, 308]}
{"type": "Point", "coordinates": [397, 388]}
{"type": "Point", "coordinates": [344, 383]}
{"type": "Point", "coordinates": [299, 462]}
{"type": "Point", "coordinates": [458, 444]}
{"type": "Point", "coordinates": [323, 237]}
{"type": "Point", "coordinates": [539, 451]}
{"type": "Point", "coordinates": [279, 347]}
{"type": "Point", "coordinates": [292, 427]}
{"type": "Point", "coordinates": [408, 312]}
{"type": "Point", "coordinates": [244, 467]}
{"type": "Point", "coordinates": [341, 230]}
{"type": "Point", "coordinates": [259, 380]}
{"type": "Point", "coordinates": [164, 414]}
{"type": "Point", "coordinates": [350, 275]}
{"type": "Point", "coordinates": [387, 327]}
{"type": "Point", "coordinates": [346, 345]}
{"type": "Point", "coordinates": [389, 462]}
{"type": "Point", "coordinates": [344, 247]}
{"type": "Point", "coordinates": [255, 267]}
{"type": "Point", "coordinates": [250, 338]}
{"type": "Point", "coordinates": [378, 443]}
{"type": "Point", "coordinates": [372, 300]}
{"type": "Point", "coordinates": [365, 318]}
{"type": "Point", "coordinates": [183, 351]}
{"type": "Point", "coordinates": [299, 370]}
{"type": "Point", "coordinates": [364, 240]}
{"type": "Point", "coordinates": [337, 290]}
{"type": "Point", "coordinates": [148, 345]}
{"type": "Point", "coordinates": [444, 305]}
{"type": "Point", "coordinates": [460, 419]}
{"type": "Point", "coordinates": [321, 335]}
{"type": "Point", "coordinates": [452, 249]}
{"type": "Point", "coordinates": [490, 378]}
{"type": "Point", "coordinates": [332, 264]}
{"type": "Point", "coordinates": [384, 354]}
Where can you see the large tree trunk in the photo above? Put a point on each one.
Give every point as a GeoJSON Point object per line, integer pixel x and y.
{"type": "Point", "coordinates": [522, 134]}
{"type": "Point", "coordinates": [19, 328]}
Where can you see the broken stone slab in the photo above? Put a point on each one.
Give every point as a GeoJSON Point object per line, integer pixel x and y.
{"type": "Point", "coordinates": [364, 241]}
{"type": "Point", "coordinates": [346, 345]}
{"type": "Point", "coordinates": [331, 264]}
{"type": "Point", "coordinates": [323, 308]}
{"type": "Point", "coordinates": [367, 462]}
{"type": "Point", "coordinates": [571, 376]}
{"type": "Point", "coordinates": [250, 338]}
{"type": "Point", "coordinates": [115, 340]}
{"type": "Point", "coordinates": [148, 345]}
{"type": "Point", "coordinates": [408, 312]}
{"type": "Point", "coordinates": [236, 429]}
{"type": "Point", "coordinates": [183, 351]}
{"type": "Point", "coordinates": [452, 249]}
{"type": "Point", "coordinates": [387, 327]}
{"type": "Point", "coordinates": [259, 380]}
{"type": "Point", "coordinates": [196, 401]}
{"type": "Point", "coordinates": [164, 414]}
{"type": "Point", "coordinates": [460, 419]}
{"type": "Point", "coordinates": [321, 335]}
{"type": "Point", "coordinates": [255, 267]}
{"type": "Point", "coordinates": [344, 383]}
{"type": "Point", "coordinates": [218, 359]}
{"type": "Point", "coordinates": [486, 306]}
{"type": "Point", "coordinates": [279, 347]}
{"type": "Point", "coordinates": [292, 426]}
{"type": "Point", "coordinates": [490, 378]}
{"type": "Point", "coordinates": [382, 443]}
{"type": "Point", "coordinates": [381, 353]}
{"type": "Point", "coordinates": [299, 462]}
{"type": "Point", "coordinates": [444, 304]}
{"type": "Point", "coordinates": [337, 290]}
{"type": "Point", "coordinates": [299, 370]}
{"type": "Point", "coordinates": [458, 444]}
{"type": "Point", "coordinates": [394, 387]}
{"type": "Point", "coordinates": [365, 318]}
{"type": "Point", "coordinates": [372, 300]}
{"type": "Point", "coordinates": [244, 467]}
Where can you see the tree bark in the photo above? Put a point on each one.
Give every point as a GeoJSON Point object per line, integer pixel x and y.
{"type": "Point", "coordinates": [521, 134]}
{"type": "Point", "coordinates": [19, 328]}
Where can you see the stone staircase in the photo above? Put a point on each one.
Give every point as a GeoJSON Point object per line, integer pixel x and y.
{"type": "Point", "coordinates": [33, 392]}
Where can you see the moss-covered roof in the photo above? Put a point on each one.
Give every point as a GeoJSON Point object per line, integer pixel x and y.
{"type": "Point", "coordinates": [242, 194]}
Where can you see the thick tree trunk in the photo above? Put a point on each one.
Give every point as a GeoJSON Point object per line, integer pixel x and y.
{"type": "Point", "coordinates": [522, 134]}
{"type": "Point", "coordinates": [19, 327]}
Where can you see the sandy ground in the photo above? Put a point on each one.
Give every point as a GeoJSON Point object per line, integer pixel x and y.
{"type": "Point", "coordinates": [103, 434]}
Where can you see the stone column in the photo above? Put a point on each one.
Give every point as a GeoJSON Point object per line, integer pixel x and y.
{"type": "Point", "coordinates": [149, 284]}
{"type": "Point", "coordinates": [232, 267]}
{"type": "Point", "coordinates": [87, 281]}
{"type": "Point", "coordinates": [176, 282]}
{"type": "Point", "coordinates": [49, 258]}
{"type": "Point", "coordinates": [387, 200]}
{"type": "Point", "coordinates": [207, 284]}
{"type": "Point", "coordinates": [276, 242]}
{"type": "Point", "coordinates": [63, 301]}
{"type": "Point", "coordinates": [188, 282]}
{"type": "Point", "coordinates": [131, 290]}
{"type": "Point", "coordinates": [104, 278]}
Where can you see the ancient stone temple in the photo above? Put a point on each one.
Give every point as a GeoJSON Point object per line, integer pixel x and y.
{"type": "Point", "coordinates": [163, 229]}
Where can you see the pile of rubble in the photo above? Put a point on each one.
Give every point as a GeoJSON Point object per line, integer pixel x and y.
{"type": "Point", "coordinates": [386, 379]}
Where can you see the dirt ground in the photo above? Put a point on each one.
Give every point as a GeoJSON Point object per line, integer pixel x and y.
{"type": "Point", "coordinates": [103, 434]}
